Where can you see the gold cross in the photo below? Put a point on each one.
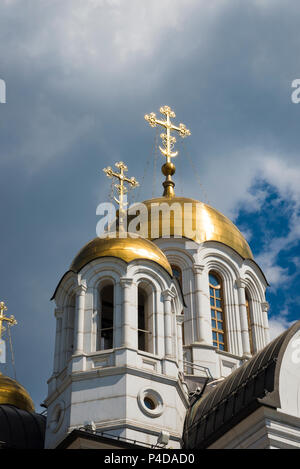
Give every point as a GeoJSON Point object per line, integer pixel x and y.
{"type": "Point", "coordinates": [121, 188]}
{"type": "Point", "coordinates": [10, 320]}
{"type": "Point", "coordinates": [169, 141]}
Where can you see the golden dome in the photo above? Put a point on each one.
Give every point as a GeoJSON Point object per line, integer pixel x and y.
{"type": "Point", "coordinates": [211, 224]}
{"type": "Point", "coordinates": [128, 249]}
{"type": "Point", "coordinates": [11, 392]}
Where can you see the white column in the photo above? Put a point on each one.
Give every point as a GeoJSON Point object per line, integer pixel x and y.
{"type": "Point", "coordinates": [88, 320]}
{"type": "Point", "coordinates": [159, 325]}
{"type": "Point", "coordinates": [258, 326]}
{"type": "Point", "coordinates": [129, 315]}
{"type": "Point", "coordinates": [203, 317]}
{"type": "Point", "coordinates": [167, 297]}
{"type": "Point", "coordinates": [70, 332]}
{"type": "Point", "coordinates": [179, 322]}
{"type": "Point", "coordinates": [240, 283]}
{"type": "Point", "coordinates": [63, 338]}
{"type": "Point", "coordinates": [118, 315]}
{"type": "Point", "coordinates": [265, 308]}
{"type": "Point", "coordinates": [58, 314]}
{"type": "Point", "coordinates": [189, 321]}
{"type": "Point", "coordinates": [79, 319]}
{"type": "Point", "coordinates": [95, 319]}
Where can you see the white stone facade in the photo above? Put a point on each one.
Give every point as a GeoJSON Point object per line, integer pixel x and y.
{"type": "Point", "coordinates": [238, 275]}
{"type": "Point", "coordinates": [277, 427]}
{"type": "Point", "coordinates": [111, 386]}
{"type": "Point", "coordinates": [263, 429]}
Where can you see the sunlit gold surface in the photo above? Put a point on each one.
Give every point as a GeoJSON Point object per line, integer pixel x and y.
{"type": "Point", "coordinates": [211, 224]}
{"type": "Point", "coordinates": [169, 141]}
{"type": "Point", "coordinates": [127, 249]}
{"type": "Point", "coordinates": [11, 392]}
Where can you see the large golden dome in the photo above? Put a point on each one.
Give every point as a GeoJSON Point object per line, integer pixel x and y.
{"type": "Point", "coordinates": [211, 224]}
{"type": "Point", "coordinates": [128, 249]}
{"type": "Point", "coordinates": [12, 393]}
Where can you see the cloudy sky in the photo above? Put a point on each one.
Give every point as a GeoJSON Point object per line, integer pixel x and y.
{"type": "Point", "coordinates": [80, 75]}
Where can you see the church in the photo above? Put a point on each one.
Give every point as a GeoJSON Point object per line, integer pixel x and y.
{"type": "Point", "coordinates": [162, 336]}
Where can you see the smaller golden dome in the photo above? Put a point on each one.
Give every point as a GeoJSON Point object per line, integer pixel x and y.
{"type": "Point", "coordinates": [128, 249]}
{"type": "Point", "coordinates": [12, 393]}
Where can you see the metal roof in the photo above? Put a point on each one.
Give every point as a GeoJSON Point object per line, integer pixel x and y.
{"type": "Point", "coordinates": [255, 383]}
{"type": "Point", "coordinates": [20, 429]}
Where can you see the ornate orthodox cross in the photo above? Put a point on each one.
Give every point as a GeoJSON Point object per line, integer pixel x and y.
{"type": "Point", "coordinates": [169, 141]}
{"type": "Point", "coordinates": [3, 318]}
{"type": "Point", "coordinates": [121, 188]}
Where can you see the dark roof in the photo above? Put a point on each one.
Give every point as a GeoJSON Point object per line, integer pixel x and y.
{"type": "Point", "coordinates": [253, 384]}
{"type": "Point", "coordinates": [20, 429]}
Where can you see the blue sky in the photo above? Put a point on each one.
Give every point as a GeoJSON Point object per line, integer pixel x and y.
{"type": "Point", "coordinates": [273, 235]}
{"type": "Point", "coordinates": [80, 75]}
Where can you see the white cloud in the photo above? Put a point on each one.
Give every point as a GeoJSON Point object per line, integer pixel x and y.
{"type": "Point", "coordinates": [286, 180]}
{"type": "Point", "coordinates": [247, 233]}
{"type": "Point", "coordinates": [278, 324]}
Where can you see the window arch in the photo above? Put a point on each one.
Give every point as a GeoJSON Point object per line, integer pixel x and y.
{"type": "Point", "coordinates": [249, 319]}
{"type": "Point", "coordinates": [217, 311]}
{"type": "Point", "coordinates": [145, 315]}
{"type": "Point", "coordinates": [106, 318]}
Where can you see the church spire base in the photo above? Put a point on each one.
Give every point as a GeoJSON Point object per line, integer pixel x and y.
{"type": "Point", "coordinates": [169, 185]}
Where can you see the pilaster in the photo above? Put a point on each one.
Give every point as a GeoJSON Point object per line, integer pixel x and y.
{"type": "Point", "coordinates": [129, 313]}
{"type": "Point", "coordinates": [241, 284]}
{"type": "Point", "coordinates": [168, 295]}
{"type": "Point", "coordinates": [79, 318]}
{"type": "Point", "coordinates": [265, 308]}
{"type": "Point", "coordinates": [58, 339]}
{"type": "Point", "coordinates": [203, 318]}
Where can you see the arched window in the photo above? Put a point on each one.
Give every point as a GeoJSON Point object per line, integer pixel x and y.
{"type": "Point", "coordinates": [144, 320]}
{"type": "Point", "coordinates": [106, 318]}
{"type": "Point", "coordinates": [217, 312]}
{"type": "Point", "coordinates": [249, 322]}
{"type": "Point", "coordinates": [177, 273]}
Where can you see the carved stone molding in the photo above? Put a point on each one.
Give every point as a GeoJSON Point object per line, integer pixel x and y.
{"type": "Point", "coordinates": [179, 318]}
{"type": "Point", "coordinates": [168, 294]}
{"type": "Point", "coordinates": [198, 268]}
{"type": "Point", "coordinates": [265, 306]}
{"type": "Point", "coordinates": [126, 282]}
{"type": "Point", "coordinates": [241, 283]}
{"type": "Point", "coordinates": [58, 313]}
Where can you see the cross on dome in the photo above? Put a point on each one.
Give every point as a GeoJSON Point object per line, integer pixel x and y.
{"type": "Point", "coordinates": [11, 321]}
{"type": "Point", "coordinates": [121, 188]}
{"type": "Point", "coordinates": [169, 141]}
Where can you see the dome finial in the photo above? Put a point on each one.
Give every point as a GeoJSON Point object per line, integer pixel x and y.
{"type": "Point", "coordinates": [168, 169]}
{"type": "Point", "coordinates": [122, 190]}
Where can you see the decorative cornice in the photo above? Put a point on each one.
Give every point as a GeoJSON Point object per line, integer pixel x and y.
{"type": "Point", "coordinates": [79, 285]}
{"type": "Point", "coordinates": [241, 283]}
{"type": "Point", "coordinates": [80, 289]}
{"type": "Point", "coordinates": [58, 313]}
{"type": "Point", "coordinates": [265, 306]}
{"type": "Point", "coordinates": [126, 282]}
{"type": "Point", "coordinates": [179, 318]}
{"type": "Point", "coordinates": [198, 268]}
{"type": "Point", "coordinates": [168, 294]}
